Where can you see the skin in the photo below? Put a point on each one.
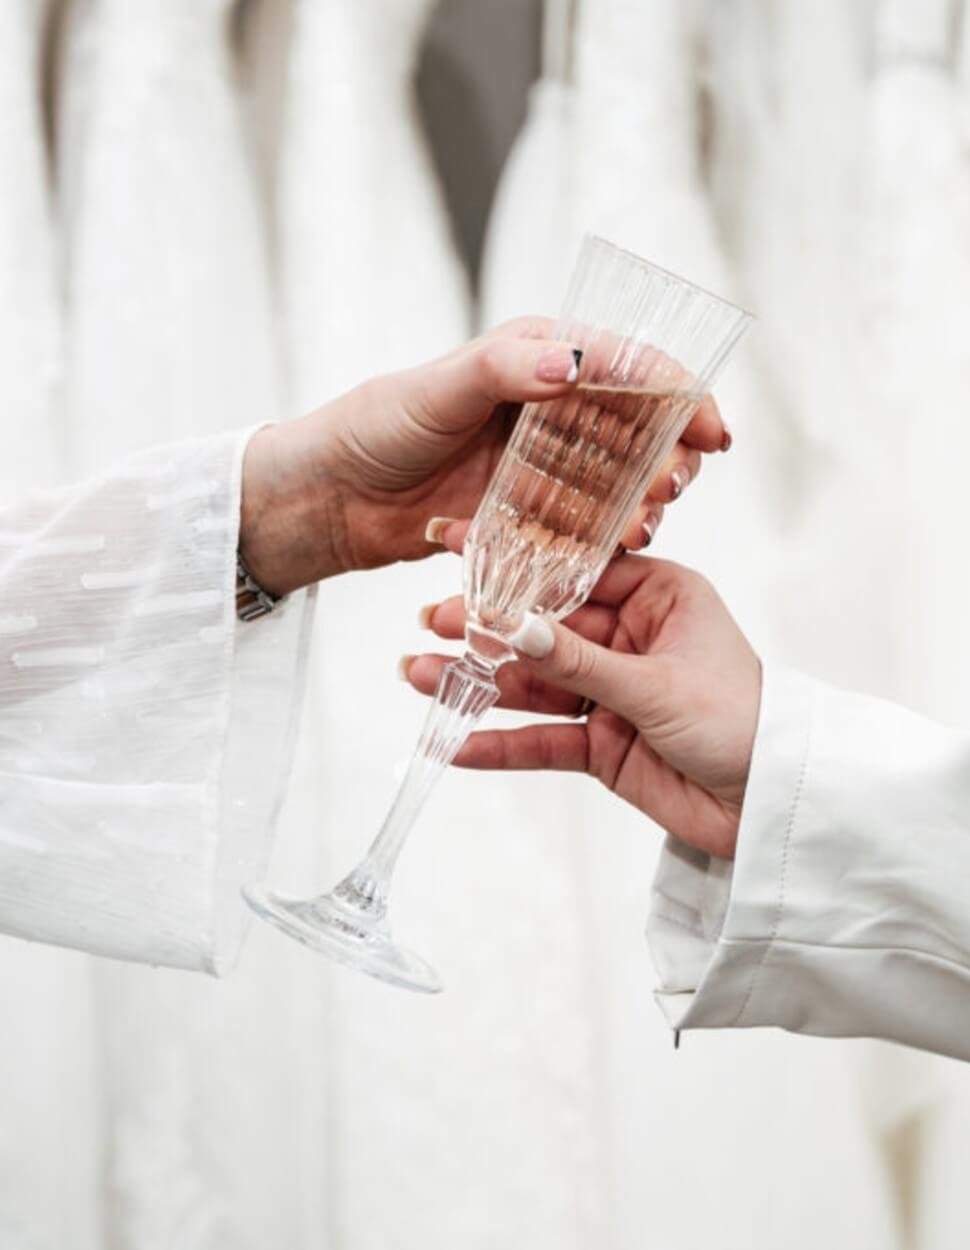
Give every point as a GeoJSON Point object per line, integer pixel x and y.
{"type": "Point", "coordinates": [354, 484]}
{"type": "Point", "coordinates": [677, 688]}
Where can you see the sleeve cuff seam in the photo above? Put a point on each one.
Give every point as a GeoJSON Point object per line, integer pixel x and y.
{"type": "Point", "coordinates": [782, 876]}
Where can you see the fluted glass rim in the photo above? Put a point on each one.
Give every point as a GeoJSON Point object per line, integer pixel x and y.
{"type": "Point", "coordinates": [590, 237]}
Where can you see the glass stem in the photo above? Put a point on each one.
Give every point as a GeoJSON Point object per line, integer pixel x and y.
{"type": "Point", "coordinates": [466, 690]}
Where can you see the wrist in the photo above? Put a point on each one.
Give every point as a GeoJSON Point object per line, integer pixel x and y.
{"type": "Point", "coordinates": [291, 519]}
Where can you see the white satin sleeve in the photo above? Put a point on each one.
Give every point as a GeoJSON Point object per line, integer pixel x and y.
{"type": "Point", "coordinates": [145, 734]}
{"type": "Point", "coordinates": [847, 909]}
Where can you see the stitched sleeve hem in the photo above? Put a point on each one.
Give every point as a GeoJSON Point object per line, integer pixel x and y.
{"type": "Point", "coordinates": [700, 904]}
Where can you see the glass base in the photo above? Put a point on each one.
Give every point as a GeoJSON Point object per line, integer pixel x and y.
{"type": "Point", "coordinates": [346, 934]}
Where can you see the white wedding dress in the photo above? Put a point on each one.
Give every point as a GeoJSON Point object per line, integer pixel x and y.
{"type": "Point", "coordinates": [863, 325]}
{"type": "Point", "coordinates": [170, 324]}
{"type": "Point", "coordinates": [461, 1120]}
{"type": "Point", "coordinates": [48, 1102]}
{"type": "Point", "coordinates": [533, 233]}
{"type": "Point", "coordinates": [639, 181]}
{"type": "Point", "coordinates": [625, 142]}
{"type": "Point", "coordinates": [171, 332]}
{"type": "Point", "coordinates": [915, 265]}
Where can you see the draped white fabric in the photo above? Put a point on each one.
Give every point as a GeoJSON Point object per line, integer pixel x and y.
{"type": "Point", "coordinates": [238, 237]}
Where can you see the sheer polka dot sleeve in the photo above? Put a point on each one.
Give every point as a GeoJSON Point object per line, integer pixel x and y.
{"type": "Point", "coordinates": [145, 734]}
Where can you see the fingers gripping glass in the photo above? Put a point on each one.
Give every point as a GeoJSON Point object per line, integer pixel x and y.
{"type": "Point", "coordinates": [572, 474]}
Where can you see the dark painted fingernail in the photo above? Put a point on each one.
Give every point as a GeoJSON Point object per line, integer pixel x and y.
{"type": "Point", "coordinates": [577, 361]}
{"type": "Point", "coordinates": [727, 440]}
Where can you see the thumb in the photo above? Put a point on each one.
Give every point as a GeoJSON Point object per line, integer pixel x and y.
{"type": "Point", "coordinates": [566, 659]}
{"type": "Point", "coordinates": [460, 391]}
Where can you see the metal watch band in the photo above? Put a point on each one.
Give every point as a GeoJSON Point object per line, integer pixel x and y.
{"type": "Point", "coordinates": [252, 601]}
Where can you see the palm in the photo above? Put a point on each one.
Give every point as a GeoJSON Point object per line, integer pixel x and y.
{"type": "Point", "coordinates": [653, 764]}
{"type": "Point", "coordinates": [688, 689]}
{"type": "Point", "coordinates": [405, 472]}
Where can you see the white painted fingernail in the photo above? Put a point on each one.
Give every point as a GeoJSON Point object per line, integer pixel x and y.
{"type": "Point", "coordinates": [679, 480]}
{"type": "Point", "coordinates": [436, 527]}
{"type": "Point", "coordinates": [534, 637]}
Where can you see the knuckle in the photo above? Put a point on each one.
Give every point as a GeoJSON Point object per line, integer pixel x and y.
{"type": "Point", "coordinates": [577, 663]}
{"type": "Point", "coordinates": [490, 368]}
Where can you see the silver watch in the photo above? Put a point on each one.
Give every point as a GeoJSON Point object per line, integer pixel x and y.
{"type": "Point", "coordinates": [252, 601]}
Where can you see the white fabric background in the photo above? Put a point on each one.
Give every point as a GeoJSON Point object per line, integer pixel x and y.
{"type": "Point", "coordinates": [233, 229]}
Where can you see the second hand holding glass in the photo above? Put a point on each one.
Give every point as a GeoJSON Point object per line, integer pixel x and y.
{"type": "Point", "coordinates": [573, 473]}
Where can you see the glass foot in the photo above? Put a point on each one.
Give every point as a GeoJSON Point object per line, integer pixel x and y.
{"type": "Point", "coordinates": [345, 933]}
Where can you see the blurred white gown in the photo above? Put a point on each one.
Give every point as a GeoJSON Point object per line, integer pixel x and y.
{"type": "Point", "coordinates": [632, 159]}
{"type": "Point", "coordinates": [48, 1101]}
{"type": "Point", "coordinates": [532, 233]}
{"type": "Point", "coordinates": [454, 1121]}
{"type": "Point", "coordinates": [868, 365]}
{"type": "Point", "coordinates": [171, 332]}
{"type": "Point", "coordinates": [915, 276]}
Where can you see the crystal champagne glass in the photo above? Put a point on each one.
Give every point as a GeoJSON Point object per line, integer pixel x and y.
{"type": "Point", "coordinates": [572, 474]}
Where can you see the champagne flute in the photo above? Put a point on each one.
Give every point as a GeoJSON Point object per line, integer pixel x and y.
{"type": "Point", "coordinates": [571, 475]}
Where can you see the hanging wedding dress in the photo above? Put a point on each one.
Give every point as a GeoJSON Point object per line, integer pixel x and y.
{"type": "Point", "coordinates": [915, 271]}
{"type": "Point", "coordinates": [864, 167]}
{"type": "Point", "coordinates": [532, 235]}
{"type": "Point", "coordinates": [638, 170]}
{"type": "Point", "coordinates": [48, 1093]}
{"type": "Point", "coordinates": [465, 1120]}
{"type": "Point", "coordinates": [170, 323]}
{"type": "Point", "coordinates": [171, 332]}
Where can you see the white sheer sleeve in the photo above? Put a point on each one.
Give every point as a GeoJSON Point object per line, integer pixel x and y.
{"type": "Point", "coordinates": [144, 732]}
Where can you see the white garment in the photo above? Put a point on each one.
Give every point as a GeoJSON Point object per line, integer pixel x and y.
{"type": "Point", "coordinates": [29, 311]}
{"type": "Point", "coordinates": [130, 810]}
{"type": "Point", "coordinates": [533, 235]}
{"type": "Point", "coordinates": [171, 333]}
{"type": "Point", "coordinates": [638, 178]}
{"type": "Point", "coordinates": [845, 912]}
{"type": "Point", "coordinates": [171, 329]}
{"type": "Point", "coordinates": [44, 1092]}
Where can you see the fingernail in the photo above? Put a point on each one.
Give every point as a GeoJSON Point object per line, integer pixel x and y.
{"type": "Point", "coordinates": [679, 479]}
{"type": "Point", "coordinates": [426, 614]}
{"type": "Point", "coordinates": [727, 440]}
{"type": "Point", "coordinates": [534, 637]}
{"type": "Point", "coordinates": [404, 665]}
{"type": "Point", "coordinates": [559, 364]}
{"type": "Point", "coordinates": [650, 525]}
{"type": "Point", "coordinates": [436, 527]}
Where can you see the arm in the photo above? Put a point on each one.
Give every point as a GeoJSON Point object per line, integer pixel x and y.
{"type": "Point", "coordinates": [847, 912]}
{"type": "Point", "coordinates": [128, 698]}
{"type": "Point", "coordinates": [144, 734]}
{"type": "Point", "coordinates": [817, 876]}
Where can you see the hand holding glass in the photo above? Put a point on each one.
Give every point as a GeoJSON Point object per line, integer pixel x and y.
{"type": "Point", "coordinates": [572, 474]}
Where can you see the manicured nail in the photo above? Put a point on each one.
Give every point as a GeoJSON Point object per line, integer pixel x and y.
{"type": "Point", "coordinates": [559, 364]}
{"type": "Point", "coordinates": [404, 665]}
{"type": "Point", "coordinates": [651, 524]}
{"type": "Point", "coordinates": [534, 637]}
{"type": "Point", "coordinates": [679, 480]}
{"type": "Point", "coordinates": [436, 527]}
{"type": "Point", "coordinates": [426, 614]}
{"type": "Point", "coordinates": [727, 440]}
